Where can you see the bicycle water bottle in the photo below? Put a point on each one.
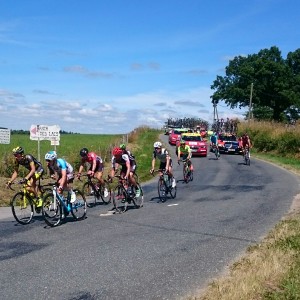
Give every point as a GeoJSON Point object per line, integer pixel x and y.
{"type": "Point", "coordinates": [73, 196]}
{"type": "Point", "coordinates": [166, 179]}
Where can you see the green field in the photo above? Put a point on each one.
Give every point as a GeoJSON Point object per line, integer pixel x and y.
{"type": "Point", "coordinates": [140, 142]}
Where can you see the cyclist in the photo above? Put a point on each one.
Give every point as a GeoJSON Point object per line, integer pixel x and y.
{"type": "Point", "coordinates": [165, 160]}
{"type": "Point", "coordinates": [96, 165]}
{"type": "Point", "coordinates": [61, 171]}
{"type": "Point", "coordinates": [186, 152]}
{"type": "Point", "coordinates": [214, 142]}
{"type": "Point", "coordinates": [125, 151]}
{"type": "Point", "coordinates": [35, 168]}
{"type": "Point", "coordinates": [246, 142]}
{"type": "Point", "coordinates": [128, 167]}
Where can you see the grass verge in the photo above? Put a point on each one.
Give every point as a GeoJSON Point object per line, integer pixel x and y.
{"type": "Point", "coordinates": [269, 270]}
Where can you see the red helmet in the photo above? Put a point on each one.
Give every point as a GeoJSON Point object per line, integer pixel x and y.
{"type": "Point", "coordinates": [117, 151]}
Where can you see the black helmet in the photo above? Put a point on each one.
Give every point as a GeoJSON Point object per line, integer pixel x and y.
{"type": "Point", "coordinates": [84, 152]}
{"type": "Point", "coordinates": [18, 150]}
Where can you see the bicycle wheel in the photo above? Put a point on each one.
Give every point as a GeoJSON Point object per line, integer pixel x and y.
{"type": "Point", "coordinates": [191, 175]}
{"type": "Point", "coordinates": [105, 192]}
{"type": "Point", "coordinates": [90, 194]}
{"type": "Point", "coordinates": [22, 208]}
{"type": "Point", "coordinates": [138, 200]}
{"type": "Point", "coordinates": [120, 199]}
{"type": "Point", "coordinates": [172, 190]}
{"type": "Point", "coordinates": [185, 173]}
{"type": "Point", "coordinates": [217, 153]}
{"type": "Point", "coordinates": [78, 209]}
{"type": "Point", "coordinates": [162, 190]}
{"type": "Point", "coordinates": [52, 211]}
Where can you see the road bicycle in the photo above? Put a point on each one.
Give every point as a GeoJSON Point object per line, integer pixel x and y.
{"type": "Point", "coordinates": [125, 194]}
{"type": "Point", "coordinates": [57, 206]}
{"type": "Point", "coordinates": [164, 185]}
{"type": "Point", "coordinates": [24, 203]}
{"type": "Point", "coordinates": [188, 173]}
{"type": "Point", "coordinates": [216, 151]}
{"type": "Point", "coordinates": [93, 192]}
{"type": "Point", "coordinates": [247, 156]}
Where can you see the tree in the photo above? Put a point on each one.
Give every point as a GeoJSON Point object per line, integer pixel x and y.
{"type": "Point", "coordinates": [276, 83]}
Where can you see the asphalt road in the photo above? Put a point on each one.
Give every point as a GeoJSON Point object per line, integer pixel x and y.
{"type": "Point", "coordinates": [161, 251]}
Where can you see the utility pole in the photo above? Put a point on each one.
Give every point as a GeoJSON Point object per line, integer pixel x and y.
{"type": "Point", "coordinates": [250, 103]}
{"type": "Point", "coordinates": [215, 111]}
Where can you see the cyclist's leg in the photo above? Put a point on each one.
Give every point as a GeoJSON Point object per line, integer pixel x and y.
{"type": "Point", "coordinates": [171, 174]}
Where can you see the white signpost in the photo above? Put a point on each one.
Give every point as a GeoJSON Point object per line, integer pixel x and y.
{"type": "Point", "coordinates": [4, 136]}
{"type": "Point", "coordinates": [45, 132]}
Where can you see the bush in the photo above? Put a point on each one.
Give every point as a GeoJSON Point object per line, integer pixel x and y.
{"type": "Point", "coordinates": [288, 143]}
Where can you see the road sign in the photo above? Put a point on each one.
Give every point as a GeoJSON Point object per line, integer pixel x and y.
{"type": "Point", "coordinates": [54, 143]}
{"type": "Point", "coordinates": [44, 132]}
{"type": "Point", "coordinates": [4, 136]}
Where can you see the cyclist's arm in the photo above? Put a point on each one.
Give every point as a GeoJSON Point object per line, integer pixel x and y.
{"type": "Point", "coordinates": [127, 169]}
{"type": "Point", "coordinates": [63, 179]}
{"type": "Point", "coordinates": [179, 153]}
{"type": "Point", "coordinates": [153, 164]}
{"type": "Point", "coordinates": [168, 162]}
{"type": "Point", "coordinates": [13, 176]}
{"type": "Point", "coordinates": [32, 170]}
{"type": "Point", "coordinates": [189, 154]}
{"type": "Point", "coordinates": [93, 167]}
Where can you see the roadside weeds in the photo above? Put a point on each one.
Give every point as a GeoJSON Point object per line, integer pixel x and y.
{"type": "Point", "coordinates": [269, 269]}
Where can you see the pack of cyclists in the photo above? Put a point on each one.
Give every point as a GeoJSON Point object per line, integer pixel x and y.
{"type": "Point", "coordinates": [122, 158]}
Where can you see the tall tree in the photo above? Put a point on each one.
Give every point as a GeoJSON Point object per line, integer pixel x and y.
{"type": "Point", "coordinates": [276, 82]}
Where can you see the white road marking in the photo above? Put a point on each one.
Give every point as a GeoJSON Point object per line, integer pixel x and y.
{"type": "Point", "coordinates": [173, 204]}
{"type": "Point", "coordinates": [109, 213]}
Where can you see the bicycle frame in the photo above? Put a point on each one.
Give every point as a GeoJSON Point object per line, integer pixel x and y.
{"type": "Point", "coordinates": [23, 204]}
{"type": "Point", "coordinates": [165, 185]}
{"type": "Point", "coordinates": [247, 156]}
{"type": "Point", "coordinates": [124, 194]}
{"type": "Point", "coordinates": [56, 206]}
{"type": "Point", "coordinates": [187, 172]}
{"type": "Point", "coordinates": [98, 191]}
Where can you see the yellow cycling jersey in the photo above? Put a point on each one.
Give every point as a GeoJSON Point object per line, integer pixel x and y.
{"type": "Point", "coordinates": [184, 149]}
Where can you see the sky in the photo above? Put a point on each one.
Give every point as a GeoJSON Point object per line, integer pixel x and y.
{"type": "Point", "coordinates": [111, 66]}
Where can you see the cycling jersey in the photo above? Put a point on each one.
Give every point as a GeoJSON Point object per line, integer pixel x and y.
{"type": "Point", "coordinates": [162, 156]}
{"type": "Point", "coordinates": [122, 161]}
{"type": "Point", "coordinates": [60, 165]}
{"type": "Point", "coordinates": [26, 160]}
{"type": "Point", "coordinates": [245, 141]}
{"type": "Point", "coordinates": [91, 156]}
{"type": "Point", "coordinates": [185, 150]}
{"type": "Point", "coordinates": [214, 139]}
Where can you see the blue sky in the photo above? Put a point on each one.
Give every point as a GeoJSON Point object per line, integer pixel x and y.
{"type": "Point", "coordinates": [110, 66]}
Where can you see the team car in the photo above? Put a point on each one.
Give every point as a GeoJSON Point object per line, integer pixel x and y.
{"type": "Point", "coordinates": [228, 143]}
{"type": "Point", "coordinates": [196, 143]}
{"type": "Point", "coordinates": [175, 134]}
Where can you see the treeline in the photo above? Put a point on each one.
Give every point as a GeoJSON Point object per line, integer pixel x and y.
{"type": "Point", "coordinates": [186, 122]}
{"type": "Point", "coordinates": [28, 133]}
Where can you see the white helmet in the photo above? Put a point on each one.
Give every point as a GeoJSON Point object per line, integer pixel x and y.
{"type": "Point", "coordinates": [157, 145]}
{"type": "Point", "coordinates": [51, 155]}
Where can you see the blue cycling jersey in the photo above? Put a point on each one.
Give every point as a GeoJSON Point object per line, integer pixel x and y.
{"type": "Point", "coordinates": [214, 139]}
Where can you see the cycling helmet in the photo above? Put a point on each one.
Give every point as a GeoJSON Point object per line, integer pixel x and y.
{"type": "Point", "coordinates": [51, 155]}
{"type": "Point", "coordinates": [123, 146]}
{"type": "Point", "coordinates": [18, 150]}
{"type": "Point", "coordinates": [157, 145]}
{"type": "Point", "coordinates": [84, 152]}
{"type": "Point", "coordinates": [182, 142]}
{"type": "Point", "coordinates": [117, 151]}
